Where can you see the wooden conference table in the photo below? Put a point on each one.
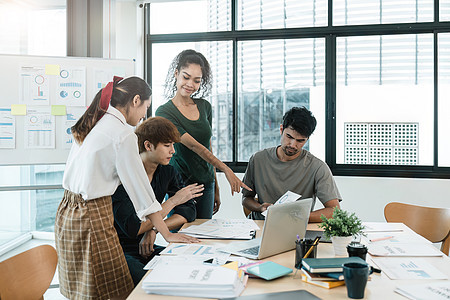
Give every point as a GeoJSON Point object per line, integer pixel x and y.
{"type": "Point", "coordinates": [379, 287]}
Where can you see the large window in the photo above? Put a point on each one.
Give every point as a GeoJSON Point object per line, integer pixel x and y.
{"type": "Point", "coordinates": [384, 95]}
{"type": "Point", "coordinates": [30, 194]}
{"type": "Point", "coordinates": [375, 75]}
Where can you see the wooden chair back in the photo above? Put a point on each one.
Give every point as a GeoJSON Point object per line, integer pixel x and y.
{"type": "Point", "coordinates": [246, 211]}
{"type": "Point", "coordinates": [431, 223]}
{"type": "Point", "coordinates": [28, 274]}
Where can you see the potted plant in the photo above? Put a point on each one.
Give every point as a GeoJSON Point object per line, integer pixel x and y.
{"type": "Point", "coordinates": [341, 228]}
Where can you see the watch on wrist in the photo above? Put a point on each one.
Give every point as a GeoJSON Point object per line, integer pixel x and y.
{"type": "Point", "coordinates": [155, 230]}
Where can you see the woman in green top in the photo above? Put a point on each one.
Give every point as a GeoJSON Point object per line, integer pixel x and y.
{"type": "Point", "coordinates": [188, 81]}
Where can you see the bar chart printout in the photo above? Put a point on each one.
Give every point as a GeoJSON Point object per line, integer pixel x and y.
{"type": "Point", "coordinates": [39, 128]}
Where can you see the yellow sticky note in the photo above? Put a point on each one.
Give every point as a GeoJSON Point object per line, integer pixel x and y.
{"type": "Point", "coordinates": [52, 69]}
{"type": "Point", "coordinates": [58, 110]}
{"type": "Point", "coordinates": [19, 109]}
{"type": "Point", "coordinates": [232, 265]}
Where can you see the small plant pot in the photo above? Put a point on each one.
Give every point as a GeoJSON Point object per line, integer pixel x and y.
{"type": "Point", "coordinates": [340, 244]}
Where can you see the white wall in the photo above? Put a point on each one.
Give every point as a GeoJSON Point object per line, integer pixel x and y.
{"type": "Point", "coordinates": [366, 196]}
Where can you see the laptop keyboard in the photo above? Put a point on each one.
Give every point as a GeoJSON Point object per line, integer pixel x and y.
{"type": "Point", "coordinates": [251, 251]}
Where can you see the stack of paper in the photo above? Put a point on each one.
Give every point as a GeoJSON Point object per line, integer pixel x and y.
{"type": "Point", "coordinates": [223, 229]}
{"type": "Point", "coordinates": [195, 281]}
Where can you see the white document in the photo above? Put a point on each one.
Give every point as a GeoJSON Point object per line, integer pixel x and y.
{"type": "Point", "coordinates": [158, 260]}
{"type": "Point", "coordinates": [377, 249]}
{"type": "Point", "coordinates": [191, 249]}
{"type": "Point", "coordinates": [39, 128]}
{"type": "Point", "coordinates": [286, 198]}
{"type": "Point", "coordinates": [408, 268]}
{"type": "Point", "coordinates": [223, 229]}
{"type": "Point", "coordinates": [34, 85]}
{"type": "Point", "coordinates": [435, 290]}
{"type": "Point", "coordinates": [382, 227]}
{"type": "Point", "coordinates": [7, 129]}
{"type": "Point", "coordinates": [395, 238]}
{"type": "Point", "coordinates": [71, 86]}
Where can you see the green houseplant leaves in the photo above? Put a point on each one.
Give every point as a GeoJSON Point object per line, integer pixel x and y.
{"type": "Point", "coordinates": [342, 223]}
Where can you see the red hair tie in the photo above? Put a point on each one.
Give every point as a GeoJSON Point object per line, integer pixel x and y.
{"type": "Point", "coordinates": [105, 98]}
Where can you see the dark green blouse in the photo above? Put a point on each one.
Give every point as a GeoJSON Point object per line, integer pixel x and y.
{"type": "Point", "coordinates": [192, 167]}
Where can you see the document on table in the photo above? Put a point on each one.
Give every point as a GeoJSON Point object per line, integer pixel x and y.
{"type": "Point", "coordinates": [195, 281]}
{"type": "Point", "coordinates": [382, 227]}
{"type": "Point", "coordinates": [395, 238]}
{"type": "Point", "coordinates": [286, 198]}
{"type": "Point", "coordinates": [435, 290]}
{"type": "Point", "coordinates": [376, 249]}
{"type": "Point", "coordinates": [408, 268]}
{"type": "Point", "coordinates": [205, 251]}
{"type": "Point", "coordinates": [223, 229]}
{"type": "Point", "coordinates": [158, 260]}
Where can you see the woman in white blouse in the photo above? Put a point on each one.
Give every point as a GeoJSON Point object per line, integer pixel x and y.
{"type": "Point", "coordinates": [91, 260]}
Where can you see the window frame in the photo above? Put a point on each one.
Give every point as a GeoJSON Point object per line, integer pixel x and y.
{"type": "Point", "coordinates": [330, 33]}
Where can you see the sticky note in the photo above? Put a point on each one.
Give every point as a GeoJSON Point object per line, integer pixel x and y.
{"type": "Point", "coordinates": [58, 110]}
{"type": "Point", "coordinates": [232, 265]}
{"type": "Point", "coordinates": [18, 109]}
{"type": "Point", "coordinates": [52, 69]}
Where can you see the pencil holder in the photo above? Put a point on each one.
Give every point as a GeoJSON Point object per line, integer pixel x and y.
{"type": "Point", "coordinates": [301, 248]}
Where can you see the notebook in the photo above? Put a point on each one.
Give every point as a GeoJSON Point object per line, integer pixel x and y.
{"type": "Point", "coordinates": [333, 264]}
{"type": "Point", "coordinates": [269, 270]}
{"type": "Point", "coordinates": [281, 227]}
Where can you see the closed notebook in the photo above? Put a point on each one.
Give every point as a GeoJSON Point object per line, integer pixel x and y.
{"type": "Point", "coordinates": [323, 283]}
{"type": "Point", "coordinates": [328, 276]}
{"type": "Point", "coordinates": [269, 270]}
{"type": "Point", "coordinates": [334, 264]}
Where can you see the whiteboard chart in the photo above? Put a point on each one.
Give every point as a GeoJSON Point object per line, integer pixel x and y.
{"type": "Point", "coordinates": [42, 98]}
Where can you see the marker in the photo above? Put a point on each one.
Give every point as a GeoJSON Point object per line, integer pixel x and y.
{"type": "Point", "coordinates": [375, 270]}
{"type": "Point", "coordinates": [298, 238]}
{"type": "Point", "coordinates": [382, 238]}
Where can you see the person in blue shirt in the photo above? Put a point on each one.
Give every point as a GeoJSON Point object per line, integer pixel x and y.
{"type": "Point", "coordinates": [156, 137]}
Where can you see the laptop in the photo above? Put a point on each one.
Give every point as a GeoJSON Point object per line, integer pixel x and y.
{"type": "Point", "coordinates": [282, 225]}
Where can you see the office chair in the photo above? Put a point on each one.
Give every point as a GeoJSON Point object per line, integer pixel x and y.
{"type": "Point", "coordinates": [431, 223]}
{"type": "Point", "coordinates": [246, 211]}
{"type": "Point", "coordinates": [28, 274]}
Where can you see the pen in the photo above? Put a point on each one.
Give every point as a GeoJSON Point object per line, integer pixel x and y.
{"type": "Point", "coordinates": [316, 240]}
{"type": "Point", "coordinates": [382, 238]}
{"type": "Point", "coordinates": [298, 238]}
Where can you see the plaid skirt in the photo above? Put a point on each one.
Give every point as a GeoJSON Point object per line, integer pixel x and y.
{"type": "Point", "coordinates": [91, 263]}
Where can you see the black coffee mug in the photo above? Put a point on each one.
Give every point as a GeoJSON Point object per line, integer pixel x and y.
{"type": "Point", "coordinates": [357, 249]}
{"type": "Point", "coordinates": [355, 276]}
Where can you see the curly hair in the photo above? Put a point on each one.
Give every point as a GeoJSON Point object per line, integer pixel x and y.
{"type": "Point", "coordinates": [182, 60]}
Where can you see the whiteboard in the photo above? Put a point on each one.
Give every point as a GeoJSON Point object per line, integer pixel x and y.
{"type": "Point", "coordinates": [13, 91]}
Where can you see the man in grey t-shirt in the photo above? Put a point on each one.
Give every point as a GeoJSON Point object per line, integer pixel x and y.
{"type": "Point", "coordinates": [274, 171]}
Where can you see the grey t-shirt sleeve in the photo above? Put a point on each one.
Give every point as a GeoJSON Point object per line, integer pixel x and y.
{"type": "Point", "coordinates": [249, 179]}
{"type": "Point", "coordinates": [325, 185]}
